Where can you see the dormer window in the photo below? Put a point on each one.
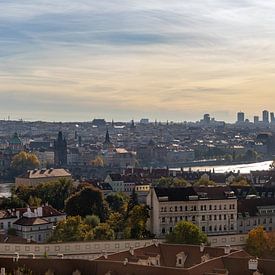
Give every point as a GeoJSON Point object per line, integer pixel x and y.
{"type": "Point", "coordinates": [180, 259]}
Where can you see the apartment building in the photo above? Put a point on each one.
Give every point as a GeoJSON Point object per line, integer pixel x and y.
{"type": "Point", "coordinates": [213, 209]}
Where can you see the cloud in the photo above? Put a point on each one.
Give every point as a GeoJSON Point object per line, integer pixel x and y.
{"type": "Point", "coordinates": [120, 58]}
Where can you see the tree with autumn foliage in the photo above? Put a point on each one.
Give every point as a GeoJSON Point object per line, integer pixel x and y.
{"type": "Point", "coordinates": [257, 242]}
{"type": "Point", "coordinates": [24, 161]}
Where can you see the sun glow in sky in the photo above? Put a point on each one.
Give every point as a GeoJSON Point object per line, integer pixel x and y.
{"type": "Point", "coordinates": [123, 59]}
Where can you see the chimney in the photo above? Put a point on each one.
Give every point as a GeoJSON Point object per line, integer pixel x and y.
{"type": "Point", "coordinates": [17, 214]}
{"type": "Point", "coordinates": [39, 211]}
{"type": "Point", "coordinates": [202, 247]}
{"type": "Point", "coordinates": [132, 250]}
{"type": "Point", "coordinates": [253, 264]}
{"type": "Point", "coordinates": [125, 261]}
{"type": "Point", "coordinates": [227, 249]}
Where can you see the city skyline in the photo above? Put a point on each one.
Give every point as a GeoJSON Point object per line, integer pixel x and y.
{"type": "Point", "coordinates": [71, 61]}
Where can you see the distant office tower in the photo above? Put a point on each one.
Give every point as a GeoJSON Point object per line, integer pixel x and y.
{"type": "Point", "coordinates": [256, 119]}
{"type": "Point", "coordinates": [265, 116]}
{"type": "Point", "coordinates": [60, 151]}
{"type": "Point", "coordinates": [206, 118]}
{"type": "Point", "coordinates": [272, 117]}
{"type": "Point", "coordinates": [240, 117]}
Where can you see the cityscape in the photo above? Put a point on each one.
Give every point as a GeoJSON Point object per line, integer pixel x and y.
{"type": "Point", "coordinates": [137, 137]}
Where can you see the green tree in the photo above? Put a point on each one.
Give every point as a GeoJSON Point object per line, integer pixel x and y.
{"type": "Point", "coordinates": [24, 161]}
{"type": "Point", "coordinates": [257, 241]}
{"type": "Point", "coordinates": [34, 201]}
{"type": "Point", "coordinates": [104, 232]}
{"type": "Point", "coordinates": [52, 192]}
{"type": "Point", "coordinates": [69, 230]}
{"type": "Point", "coordinates": [92, 220]}
{"type": "Point", "coordinates": [170, 182]}
{"type": "Point", "coordinates": [137, 220]}
{"type": "Point", "coordinates": [133, 201]}
{"type": "Point", "coordinates": [88, 201]}
{"type": "Point", "coordinates": [12, 202]}
{"type": "Point", "coordinates": [117, 201]}
{"type": "Point", "coordinates": [116, 221]}
{"type": "Point", "coordinates": [204, 182]}
{"type": "Point", "coordinates": [186, 233]}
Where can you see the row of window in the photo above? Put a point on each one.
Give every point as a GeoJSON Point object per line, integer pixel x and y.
{"type": "Point", "coordinates": [255, 222]}
{"type": "Point", "coordinates": [193, 218]}
{"type": "Point", "coordinates": [195, 208]}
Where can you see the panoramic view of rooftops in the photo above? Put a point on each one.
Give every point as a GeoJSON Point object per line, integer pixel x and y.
{"type": "Point", "coordinates": [137, 137]}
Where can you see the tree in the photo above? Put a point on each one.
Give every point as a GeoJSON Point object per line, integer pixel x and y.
{"type": "Point", "coordinates": [204, 182]}
{"type": "Point", "coordinates": [88, 201]}
{"type": "Point", "coordinates": [116, 221]}
{"type": "Point", "coordinates": [92, 220]}
{"type": "Point", "coordinates": [240, 181]}
{"type": "Point", "coordinates": [24, 161]}
{"type": "Point", "coordinates": [186, 233]}
{"type": "Point", "coordinates": [137, 220]}
{"type": "Point", "coordinates": [70, 229]}
{"type": "Point", "coordinates": [170, 182]}
{"type": "Point", "coordinates": [257, 242]}
{"type": "Point", "coordinates": [98, 161]}
{"type": "Point", "coordinates": [34, 201]}
{"type": "Point", "coordinates": [52, 192]}
{"type": "Point", "coordinates": [104, 232]}
{"type": "Point", "coordinates": [117, 201]}
{"type": "Point", "coordinates": [133, 201]}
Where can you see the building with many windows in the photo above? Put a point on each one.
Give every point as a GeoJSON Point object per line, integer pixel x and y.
{"type": "Point", "coordinates": [213, 209]}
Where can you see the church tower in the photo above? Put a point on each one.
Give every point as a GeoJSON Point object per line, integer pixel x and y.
{"type": "Point", "coordinates": [60, 151]}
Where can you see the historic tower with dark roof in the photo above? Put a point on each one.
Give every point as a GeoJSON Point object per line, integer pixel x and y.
{"type": "Point", "coordinates": [60, 151]}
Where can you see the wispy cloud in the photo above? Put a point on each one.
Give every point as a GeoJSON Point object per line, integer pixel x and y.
{"type": "Point", "coordinates": [132, 58]}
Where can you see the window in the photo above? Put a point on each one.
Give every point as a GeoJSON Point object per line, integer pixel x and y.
{"type": "Point", "coordinates": [9, 224]}
{"type": "Point", "coordinates": [171, 219]}
{"type": "Point", "coordinates": [224, 207]}
{"type": "Point", "coordinates": [203, 218]}
{"type": "Point", "coordinates": [203, 228]}
{"type": "Point", "coordinates": [180, 208]}
{"type": "Point", "coordinates": [215, 207]}
{"type": "Point", "coordinates": [195, 208]}
{"type": "Point", "coordinates": [176, 219]}
{"type": "Point", "coordinates": [1, 225]}
{"type": "Point", "coordinates": [210, 228]}
{"type": "Point", "coordinates": [210, 218]}
{"type": "Point", "coordinates": [232, 216]}
{"type": "Point", "coordinates": [220, 207]}
{"type": "Point", "coordinates": [215, 217]}
{"type": "Point", "coordinates": [193, 218]}
{"type": "Point", "coordinates": [220, 217]}
{"type": "Point", "coordinates": [270, 220]}
{"type": "Point", "coordinates": [210, 207]}
{"type": "Point", "coordinates": [163, 231]}
{"type": "Point", "coordinates": [170, 229]}
{"type": "Point", "coordinates": [176, 208]}
{"type": "Point", "coordinates": [224, 217]}
{"type": "Point", "coordinates": [163, 219]}
{"type": "Point", "coordinates": [201, 207]}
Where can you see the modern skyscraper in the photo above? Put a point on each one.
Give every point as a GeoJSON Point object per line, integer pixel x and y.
{"type": "Point", "coordinates": [240, 117]}
{"type": "Point", "coordinates": [266, 116]}
{"type": "Point", "coordinates": [60, 151]}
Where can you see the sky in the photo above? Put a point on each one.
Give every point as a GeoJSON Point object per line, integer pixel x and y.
{"type": "Point", "coordinates": [173, 60]}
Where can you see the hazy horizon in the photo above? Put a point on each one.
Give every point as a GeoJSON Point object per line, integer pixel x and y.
{"type": "Point", "coordinates": [166, 60]}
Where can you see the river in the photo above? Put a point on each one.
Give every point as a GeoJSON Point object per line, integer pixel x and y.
{"type": "Point", "coordinates": [243, 168]}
